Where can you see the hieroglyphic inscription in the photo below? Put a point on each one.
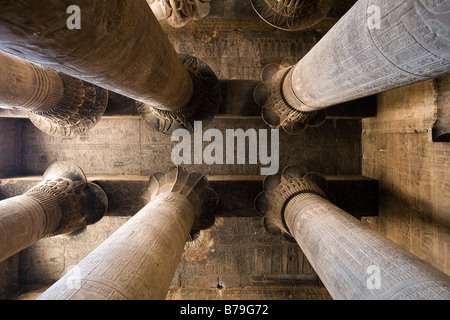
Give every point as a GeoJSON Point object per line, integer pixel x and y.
{"type": "Point", "coordinates": [341, 249]}
{"type": "Point", "coordinates": [139, 260]}
{"type": "Point", "coordinates": [410, 46]}
{"type": "Point", "coordinates": [241, 56]}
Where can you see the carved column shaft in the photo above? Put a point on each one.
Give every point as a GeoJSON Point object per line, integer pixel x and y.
{"type": "Point", "coordinates": [62, 203]}
{"type": "Point", "coordinates": [378, 45]}
{"type": "Point", "coordinates": [27, 86]}
{"type": "Point", "coordinates": [57, 104]}
{"type": "Point", "coordinates": [120, 46]}
{"type": "Point", "coordinates": [23, 221]}
{"type": "Point", "coordinates": [179, 12]}
{"type": "Point", "coordinates": [361, 56]}
{"type": "Point", "coordinates": [138, 261]}
{"type": "Point", "coordinates": [345, 253]}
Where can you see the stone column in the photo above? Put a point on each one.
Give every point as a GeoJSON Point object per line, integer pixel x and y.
{"type": "Point", "coordinates": [291, 15]}
{"type": "Point", "coordinates": [178, 13]}
{"type": "Point", "coordinates": [378, 45]}
{"type": "Point", "coordinates": [352, 260]}
{"type": "Point", "coordinates": [119, 46]}
{"type": "Point", "coordinates": [63, 202]}
{"type": "Point", "coordinates": [139, 260]}
{"type": "Point", "coordinates": [57, 104]}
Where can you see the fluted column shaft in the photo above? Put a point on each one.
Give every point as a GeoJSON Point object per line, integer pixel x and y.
{"type": "Point", "coordinates": [345, 253]}
{"type": "Point", "coordinates": [358, 58]}
{"type": "Point", "coordinates": [138, 261]}
{"type": "Point", "coordinates": [120, 47]}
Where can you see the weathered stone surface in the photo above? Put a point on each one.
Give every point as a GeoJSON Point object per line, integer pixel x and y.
{"type": "Point", "coordinates": [110, 50]}
{"type": "Point", "coordinates": [138, 261]}
{"type": "Point", "coordinates": [9, 277]}
{"type": "Point", "coordinates": [241, 56]}
{"type": "Point", "coordinates": [376, 46]}
{"type": "Point", "coordinates": [234, 253]}
{"type": "Point", "coordinates": [121, 47]}
{"type": "Point", "coordinates": [352, 260]}
{"type": "Point", "coordinates": [56, 103]}
{"type": "Point", "coordinates": [355, 262]}
{"type": "Point", "coordinates": [49, 259]}
{"type": "Point", "coordinates": [413, 171]}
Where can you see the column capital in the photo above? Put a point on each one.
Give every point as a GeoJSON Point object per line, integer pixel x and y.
{"type": "Point", "coordinates": [280, 189]}
{"type": "Point", "coordinates": [79, 202]}
{"type": "Point", "coordinates": [202, 106]}
{"type": "Point", "coordinates": [291, 15]}
{"type": "Point", "coordinates": [278, 110]}
{"type": "Point", "coordinates": [81, 107]}
{"type": "Point", "coordinates": [192, 186]}
{"type": "Point", "coordinates": [178, 13]}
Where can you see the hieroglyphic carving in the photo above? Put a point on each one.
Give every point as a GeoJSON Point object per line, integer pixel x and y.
{"type": "Point", "coordinates": [63, 204]}
{"type": "Point", "coordinates": [342, 249]}
{"type": "Point", "coordinates": [240, 55]}
{"type": "Point", "coordinates": [179, 12]}
{"type": "Point", "coordinates": [139, 260]}
{"type": "Point", "coordinates": [122, 58]}
{"type": "Point", "coordinates": [280, 189]}
{"type": "Point", "coordinates": [277, 109]}
{"type": "Point", "coordinates": [411, 45]}
{"type": "Point", "coordinates": [292, 15]}
{"type": "Point", "coordinates": [203, 105]}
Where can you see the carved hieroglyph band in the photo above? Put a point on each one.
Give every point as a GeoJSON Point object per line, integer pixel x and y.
{"type": "Point", "coordinates": [63, 202]}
